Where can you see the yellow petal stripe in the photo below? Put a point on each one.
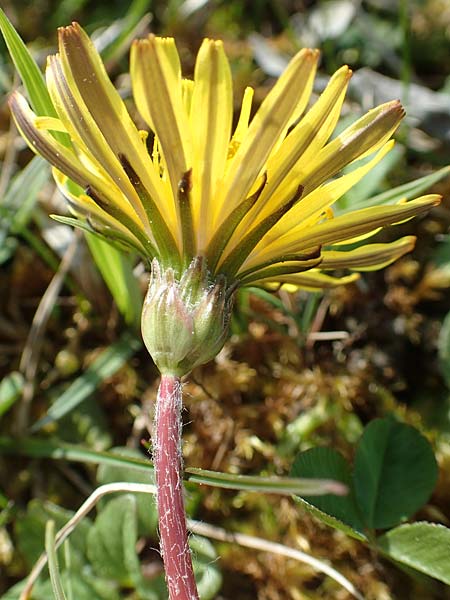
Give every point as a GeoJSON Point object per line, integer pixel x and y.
{"type": "Point", "coordinates": [312, 281]}
{"type": "Point", "coordinates": [368, 257]}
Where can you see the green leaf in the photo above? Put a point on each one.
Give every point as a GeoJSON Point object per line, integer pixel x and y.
{"type": "Point", "coordinates": [30, 74]}
{"type": "Point", "coordinates": [30, 531]}
{"type": "Point", "coordinates": [17, 205]}
{"type": "Point", "coordinates": [28, 70]}
{"type": "Point", "coordinates": [87, 586]}
{"type": "Point", "coordinates": [330, 521]}
{"type": "Point", "coordinates": [125, 30]}
{"type": "Point", "coordinates": [53, 567]}
{"type": "Point", "coordinates": [93, 587]}
{"type": "Point", "coordinates": [146, 505]}
{"type": "Point", "coordinates": [409, 190]}
{"type": "Point", "coordinates": [370, 183]}
{"type": "Point", "coordinates": [111, 542]}
{"type": "Point", "coordinates": [423, 546]}
{"type": "Point", "coordinates": [270, 485]}
{"type": "Point", "coordinates": [117, 271]}
{"type": "Point", "coordinates": [207, 572]}
{"type": "Point", "coordinates": [58, 450]}
{"type": "Point", "coordinates": [338, 511]}
{"type": "Point", "coordinates": [42, 590]}
{"type": "Point", "coordinates": [395, 472]}
{"type": "Point", "coordinates": [11, 388]}
{"type": "Point", "coordinates": [104, 366]}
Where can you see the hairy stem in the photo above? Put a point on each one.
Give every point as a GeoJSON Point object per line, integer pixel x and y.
{"type": "Point", "coordinates": [168, 471]}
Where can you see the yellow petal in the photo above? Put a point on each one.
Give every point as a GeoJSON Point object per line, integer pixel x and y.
{"type": "Point", "coordinates": [368, 257]}
{"type": "Point", "coordinates": [211, 119]}
{"type": "Point", "coordinates": [84, 72]}
{"type": "Point", "coordinates": [187, 88]}
{"type": "Point", "coordinates": [99, 219]}
{"type": "Point", "coordinates": [362, 138]}
{"type": "Point", "coordinates": [242, 126]}
{"type": "Point", "coordinates": [299, 148]}
{"type": "Point", "coordinates": [280, 269]}
{"type": "Point", "coordinates": [301, 105]}
{"type": "Point", "coordinates": [50, 124]}
{"type": "Point", "coordinates": [348, 226]}
{"type": "Point", "coordinates": [310, 133]}
{"type": "Point", "coordinates": [265, 129]}
{"type": "Point", "coordinates": [312, 281]}
{"type": "Point", "coordinates": [85, 134]}
{"type": "Point", "coordinates": [310, 208]}
{"type": "Point", "coordinates": [157, 90]}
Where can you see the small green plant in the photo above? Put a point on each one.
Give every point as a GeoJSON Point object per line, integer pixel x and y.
{"type": "Point", "coordinates": [394, 474]}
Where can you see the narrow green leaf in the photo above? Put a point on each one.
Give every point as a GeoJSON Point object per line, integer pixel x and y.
{"type": "Point", "coordinates": [125, 30]}
{"type": "Point", "coordinates": [409, 190]}
{"type": "Point", "coordinates": [30, 74]}
{"type": "Point", "coordinates": [270, 298]}
{"type": "Point", "coordinates": [371, 182]}
{"type": "Point", "coordinates": [422, 546]}
{"type": "Point", "coordinates": [53, 567]}
{"type": "Point", "coordinates": [444, 349]}
{"type": "Point", "coordinates": [271, 485]}
{"type": "Point", "coordinates": [58, 450]}
{"type": "Point", "coordinates": [28, 70]}
{"type": "Point", "coordinates": [111, 542]}
{"type": "Point", "coordinates": [326, 462]}
{"type": "Point", "coordinates": [11, 388]}
{"type": "Point", "coordinates": [17, 205]}
{"type": "Point", "coordinates": [395, 472]}
{"type": "Point", "coordinates": [117, 271]}
{"type": "Point", "coordinates": [330, 521]}
{"type": "Point", "coordinates": [105, 365]}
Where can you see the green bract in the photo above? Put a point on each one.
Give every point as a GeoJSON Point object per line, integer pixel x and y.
{"type": "Point", "coordinates": [185, 321]}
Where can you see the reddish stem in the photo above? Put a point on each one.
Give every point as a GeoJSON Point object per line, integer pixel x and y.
{"type": "Point", "coordinates": [168, 464]}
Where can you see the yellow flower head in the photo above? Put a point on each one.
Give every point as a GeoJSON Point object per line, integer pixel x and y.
{"type": "Point", "coordinates": [254, 202]}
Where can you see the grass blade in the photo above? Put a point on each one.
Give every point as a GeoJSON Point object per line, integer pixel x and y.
{"type": "Point", "coordinates": [407, 191]}
{"type": "Point", "coordinates": [105, 365]}
{"type": "Point", "coordinates": [53, 568]}
{"type": "Point", "coordinates": [117, 271]}
{"type": "Point", "coordinates": [30, 73]}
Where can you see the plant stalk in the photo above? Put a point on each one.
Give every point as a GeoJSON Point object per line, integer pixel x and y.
{"type": "Point", "coordinates": [168, 463]}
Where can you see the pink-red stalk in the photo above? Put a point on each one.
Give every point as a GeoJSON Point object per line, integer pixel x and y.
{"type": "Point", "coordinates": [168, 463]}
